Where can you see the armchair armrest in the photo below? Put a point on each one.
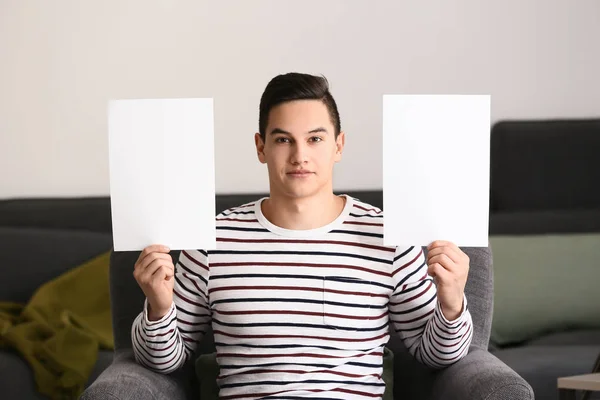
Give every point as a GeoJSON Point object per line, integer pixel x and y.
{"type": "Point", "coordinates": [125, 379]}
{"type": "Point", "coordinates": [480, 375]}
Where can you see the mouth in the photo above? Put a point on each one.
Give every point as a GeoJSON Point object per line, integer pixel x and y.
{"type": "Point", "coordinates": [299, 173]}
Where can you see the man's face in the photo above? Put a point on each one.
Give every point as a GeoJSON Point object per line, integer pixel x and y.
{"type": "Point", "coordinates": [300, 148]}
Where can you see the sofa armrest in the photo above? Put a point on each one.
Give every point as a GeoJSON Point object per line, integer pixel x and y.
{"type": "Point", "coordinates": [480, 375]}
{"type": "Point", "coordinates": [125, 379]}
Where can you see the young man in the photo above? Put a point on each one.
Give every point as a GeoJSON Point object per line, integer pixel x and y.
{"type": "Point", "coordinates": [300, 289]}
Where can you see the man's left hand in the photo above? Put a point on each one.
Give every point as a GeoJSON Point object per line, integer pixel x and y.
{"type": "Point", "coordinates": [449, 266]}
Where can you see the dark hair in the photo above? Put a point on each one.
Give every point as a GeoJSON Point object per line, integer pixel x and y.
{"type": "Point", "coordinates": [296, 86]}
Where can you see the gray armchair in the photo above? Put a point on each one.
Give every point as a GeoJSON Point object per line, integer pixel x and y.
{"type": "Point", "coordinates": [479, 375]}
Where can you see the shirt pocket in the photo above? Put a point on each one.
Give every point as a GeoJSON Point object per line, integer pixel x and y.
{"type": "Point", "coordinates": [349, 304]}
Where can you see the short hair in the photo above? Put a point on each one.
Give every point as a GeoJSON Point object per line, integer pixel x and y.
{"type": "Point", "coordinates": [296, 86]}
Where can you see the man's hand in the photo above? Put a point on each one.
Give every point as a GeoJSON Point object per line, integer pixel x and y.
{"type": "Point", "coordinates": [449, 266]}
{"type": "Point", "coordinates": [154, 272]}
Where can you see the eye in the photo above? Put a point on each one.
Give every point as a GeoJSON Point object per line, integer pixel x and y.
{"type": "Point", "coordinates": [316, 139]}
{"type": "Point", "coordinates": [282, 139]}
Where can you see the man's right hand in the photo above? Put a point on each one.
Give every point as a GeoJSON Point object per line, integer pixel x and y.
{"type": "Point", "coordinates": [154, 271]}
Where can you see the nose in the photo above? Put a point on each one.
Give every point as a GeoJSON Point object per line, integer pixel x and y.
{"type": "Point", "coordinates": [299, 154]}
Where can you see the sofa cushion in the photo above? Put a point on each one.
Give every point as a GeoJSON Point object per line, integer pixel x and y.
{"type": "Point", "coordinates": [33, 256]}
{"type": "Point", "coordinates": [544, 284]}
{"type": "Point", "coordinates": [541, 366]}
{"type": "Point", "coordinates": [17, 379]}
{"type": "Point", "coordinates": [105, 358]}
{"type": "Point", "coordinates": [544, 165]}
{"type": "Point", "coordinates": [584, 337]}
{"type": "Point", "coordinates": [85, 214]}
{"type": "Point", "coordinates": [545, 221]}
{"type": "Point", "coordinates": [21, 385]}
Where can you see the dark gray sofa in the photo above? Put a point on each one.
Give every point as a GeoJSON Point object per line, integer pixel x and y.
{"type": "Point", "coordinates": [44, 237]}
{"type": "Point", "coordinates": [545, 180]}
{"type": "Point", "coordinates": [39, 240]}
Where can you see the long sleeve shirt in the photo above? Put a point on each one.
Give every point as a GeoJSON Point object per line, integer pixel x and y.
{"type": "Point", "coordinates": [302, 313]}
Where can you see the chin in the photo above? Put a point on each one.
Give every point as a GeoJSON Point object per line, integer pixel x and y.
{"type": "Point", "coordinates": [299, 194]}
{"type": "Point", "coordinates": [296, 192]}
{"type": "Point", "coordinates": [297, 189]}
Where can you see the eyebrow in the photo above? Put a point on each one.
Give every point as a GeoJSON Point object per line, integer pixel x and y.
{"type": "Point", "coordinates": [281, 131]}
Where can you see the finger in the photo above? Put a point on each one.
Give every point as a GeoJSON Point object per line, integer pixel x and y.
{"type": "Point", "coordinates": [140, 269]}
{"type": "Point", "coordinates": [168, 272]}
{"type": "Point", "coordinates": [146, 275]}
{"type": "Point", "coordinates": [441, 243]}
{"type": "Point", "coordinates": [143, 264]}
{"type": "Point", "coordinates": [144, 255]}
{"type": "Point", "coordinates": [155, 248]}
{"type": "Point", "coordinates": [445, 261]}
{"type": "Point", "coordinates": [447, 250]}
{"type": "Point", "coordinates": [162, 274]}
{"type": "Point", "coordinates": [158, 278]}
{"type": "Point", "coordinates": [438, 273]}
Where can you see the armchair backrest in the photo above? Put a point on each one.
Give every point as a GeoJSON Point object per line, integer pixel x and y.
{"type": "Point", "coordinates": [480, 294]}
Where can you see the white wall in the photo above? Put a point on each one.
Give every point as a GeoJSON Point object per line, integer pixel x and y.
{"type": "Point", "coordinates": [61, 60]}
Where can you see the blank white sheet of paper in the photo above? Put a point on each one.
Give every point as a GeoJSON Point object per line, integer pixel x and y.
{"type": "Point", "coordinates": [436, 169]}
{"type": "Point", "coordinates": [162, 174]}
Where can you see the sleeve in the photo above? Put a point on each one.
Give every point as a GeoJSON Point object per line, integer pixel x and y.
{"type": "Point", "coordinates": [167, 344]}
{"type": "Point", "coordinates": [417, 316]}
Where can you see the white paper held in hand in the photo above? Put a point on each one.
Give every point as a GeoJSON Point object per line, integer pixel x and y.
{"type": "Point", "coordinates": [436, 169]}
{"type": "Point", "coordinates": [162, 174]}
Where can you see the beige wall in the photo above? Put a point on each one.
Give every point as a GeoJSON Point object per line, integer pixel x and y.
{"type": "Point", "coordinates": [61, 60]}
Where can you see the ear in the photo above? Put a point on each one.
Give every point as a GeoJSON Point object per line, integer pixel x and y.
{"type": "Point", "coordinates": [340, 141]}
{"type": "Point", "coordinates": [260, 148]}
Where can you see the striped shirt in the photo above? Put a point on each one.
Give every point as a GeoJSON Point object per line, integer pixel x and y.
{"type": "Point", "coordinates": [301, 313]}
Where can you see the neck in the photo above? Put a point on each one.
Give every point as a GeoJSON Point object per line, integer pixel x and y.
{"type": "Point", "coordinates": [303, 213]}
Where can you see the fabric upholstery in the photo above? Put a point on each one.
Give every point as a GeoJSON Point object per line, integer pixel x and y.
{"type": "Point", "coordinates": [33, 256]}
{"type": "Point", "coordinates": [544, 165]}
{"type": "Point", "coordinates": [480, 294]}
{"type": "Point", "coordinates": [61, 328]}
{"type": "Point", "coordinates": [480, 375]}
{"type": "Point", "coordinates": [548, 221]}
{"type": "Point", "coordinates": [82, 214]}
{"type": "Point", "coordinates": [125, 379]}
{"type": "Point", "coordinates": [526, 267]}
{"type": "Point", "coordinates": [579, 337]}
{"type": "Point", "coordinates": [540, 366]}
